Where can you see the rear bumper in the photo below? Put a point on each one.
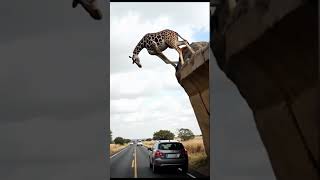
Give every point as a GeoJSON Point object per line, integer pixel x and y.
{"type": "Point", "coordinates": [170, 162]}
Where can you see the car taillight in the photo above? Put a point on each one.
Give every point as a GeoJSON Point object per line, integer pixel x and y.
{"type": "Point", "coordinates": [158, 154]}
{"type": "Point", "coordinates": [184, 152]}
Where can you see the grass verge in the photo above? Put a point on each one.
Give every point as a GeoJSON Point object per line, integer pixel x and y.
{"type": "Point", "coordinates": [148, 144]}
{"type": "Point", "coordinates": [196, 152]}
{"type": "Point", "coordinates": [114, 148]}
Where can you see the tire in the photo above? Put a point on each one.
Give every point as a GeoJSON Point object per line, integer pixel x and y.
{"type": "Point", "coordinates": [154, 169]}
{"type": "Point", "coordinates": [184, 168]}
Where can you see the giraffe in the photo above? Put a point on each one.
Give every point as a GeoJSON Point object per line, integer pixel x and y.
{"type": "Point", "coordinates": [90, 6]}
{"type": "Point", "coordinates": [157, 42]}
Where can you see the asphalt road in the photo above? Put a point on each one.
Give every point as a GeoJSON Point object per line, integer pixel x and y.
{"type": "Point", "coordinates": [133, 162]}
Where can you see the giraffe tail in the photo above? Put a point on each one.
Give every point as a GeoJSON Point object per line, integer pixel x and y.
{"type": "Point", "coordinates": [182, 38]}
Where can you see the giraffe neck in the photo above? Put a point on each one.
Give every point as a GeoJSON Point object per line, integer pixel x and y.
{"type": "Point", "coordinates": [138, 47]}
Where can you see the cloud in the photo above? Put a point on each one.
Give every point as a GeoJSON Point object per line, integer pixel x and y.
{"type": "Point", "coordinates": [150, 98]}
{"type": "Point", "coordinates": [147, 82]}
{"type": "Point", "coordinates": [151, 113]}
{"type": "Point", "coordinates": [129, 22]}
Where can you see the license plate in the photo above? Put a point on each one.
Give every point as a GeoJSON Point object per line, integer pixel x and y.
{"type": "Point", "coordinates": [173, 155]}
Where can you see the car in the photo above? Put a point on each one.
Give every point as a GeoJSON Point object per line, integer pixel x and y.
{"type": "Point", "coordinates": [168, 153]}
{"type": "Point", "coordinates": [130, 143]}
{"type": "Point", "coordinates": [139, 143]}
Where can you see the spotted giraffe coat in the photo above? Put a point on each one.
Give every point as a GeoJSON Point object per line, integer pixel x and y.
{"type": "Point", "coordinates": [164, 39]}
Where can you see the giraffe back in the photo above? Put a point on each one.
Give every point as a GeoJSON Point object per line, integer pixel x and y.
{"type": "Point", "coordinates": [162, 38]}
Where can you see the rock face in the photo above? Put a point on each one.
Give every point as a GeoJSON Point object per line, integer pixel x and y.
{"type": "Point", "coordinates": [193, 76]}
{"type": "Point", "coordinates": [269, 49]}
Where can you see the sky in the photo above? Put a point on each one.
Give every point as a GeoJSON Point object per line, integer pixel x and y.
{"type": "Point", "coordinates": [146, 100]}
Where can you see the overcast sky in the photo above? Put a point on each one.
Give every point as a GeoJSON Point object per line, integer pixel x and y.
{"type": "Point", "coordinates": [149, 99]}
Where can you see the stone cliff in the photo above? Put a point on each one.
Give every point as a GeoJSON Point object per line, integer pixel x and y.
{"type": "Point", "coordinates": [193, 76]}
{"type": "Point", "coordinates": [269, 50]}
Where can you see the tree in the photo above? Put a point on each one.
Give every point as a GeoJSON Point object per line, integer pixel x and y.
{"type": "Point", "coordinates": [185, 134]}
{"type": "Point", "coordinates": [119, 140]}
{"type": "Point", "coordinates": [163, 135]}
{"type": "Point", "coordinates": [127, 140]}
{"type": "Point", "coordinates": [148, 139]}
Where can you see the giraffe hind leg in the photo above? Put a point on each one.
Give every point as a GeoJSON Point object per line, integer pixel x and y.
{"type": "Point", "coordinates": [180, 54]}
{"type": "Point", "coordinates": [187, 44]}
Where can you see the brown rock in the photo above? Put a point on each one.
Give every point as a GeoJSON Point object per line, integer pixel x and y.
{"type": "Point", "coordinates": [193, 76]}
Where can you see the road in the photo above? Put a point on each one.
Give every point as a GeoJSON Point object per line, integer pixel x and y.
{"type": "Point", "coordinates": [133, 162]}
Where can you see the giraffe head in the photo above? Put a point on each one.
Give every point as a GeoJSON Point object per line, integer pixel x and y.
{"type": "Point", "coordinates": [135, 59]}
{"type": "Point", "coordinates": [90, 6]}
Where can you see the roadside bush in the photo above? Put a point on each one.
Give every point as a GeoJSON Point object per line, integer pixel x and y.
{"type": "Point", "coordinates": [119, 140]}
{"type": "Point", "coordinates": [163, 135]}
{"type": "Point", "coordinates": [185, 134]}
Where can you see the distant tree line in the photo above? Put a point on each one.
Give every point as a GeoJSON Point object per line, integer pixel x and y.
{"type": "Point", "coordinates": [183, 133]}
{"type": "Point", "coordinates": [120, 140]}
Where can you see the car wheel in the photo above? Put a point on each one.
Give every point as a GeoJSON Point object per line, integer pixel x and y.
{"type": "Point", "coordinates": [184, 168]}
{"type": "Point", "coordinates": [150, 164]}
{"type": "Point", "coordinates": [154, 168]}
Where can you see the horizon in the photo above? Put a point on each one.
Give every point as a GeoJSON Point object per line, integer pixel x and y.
{"type": "Point", "coordinates": [148, 137]}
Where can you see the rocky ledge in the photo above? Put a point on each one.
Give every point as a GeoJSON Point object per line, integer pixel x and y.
{"type": "Point", "coordinates": [193, 76]}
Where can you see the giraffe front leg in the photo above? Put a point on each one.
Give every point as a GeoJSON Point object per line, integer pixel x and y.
{"type": "Point", "coordinates": [161, 55]}
{"type": "Point", "coordinates": [165, 59]}
{"type": "Point", "coordinates": [169, 61]}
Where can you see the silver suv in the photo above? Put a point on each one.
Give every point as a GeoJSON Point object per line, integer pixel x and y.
{"type": "Point", "coordinates": [168, 153]}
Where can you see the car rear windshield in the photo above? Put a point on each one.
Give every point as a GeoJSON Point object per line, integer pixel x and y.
{"type": "Point", "coordinates": [170, 146]}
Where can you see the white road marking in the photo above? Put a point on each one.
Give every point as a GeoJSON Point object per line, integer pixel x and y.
{"type": "Point", "coordinates": [190, 175]}
{"type": "Point", "coordinates": [135, 163]}
{"type": "Point", "coordinates": [118, 152]}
